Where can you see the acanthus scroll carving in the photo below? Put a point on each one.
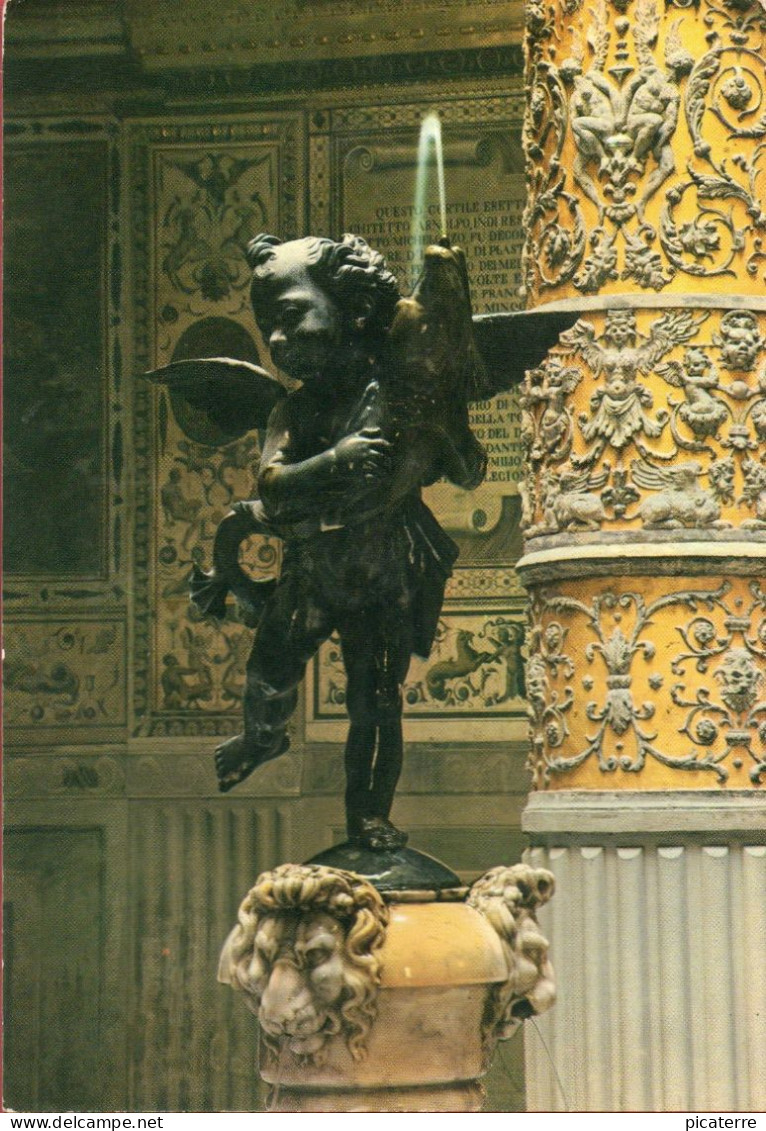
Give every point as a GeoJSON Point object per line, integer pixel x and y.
{"type": "Point", "coordinates": [715, 703]}
{"type": "Point", "coordinates": [644, 164]}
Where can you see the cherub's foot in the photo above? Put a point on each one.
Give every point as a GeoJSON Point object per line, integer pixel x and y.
{"type": "Point", "coordinates": [236, 758]}
{"type": "Point", "coordinates": [376, 834]}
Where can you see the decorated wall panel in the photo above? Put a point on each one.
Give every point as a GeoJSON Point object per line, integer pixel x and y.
{"type": "Point", "coordinates": [472, 682]}
{"type": "Point", "coordinates": [201, 192]}
{"type": "Point", "coordinates": [46, 986]}
{"type": "Point", "coordinates": [55, 359]}
{"type": "Point", "coordinates": [63, 675]}
{"type": "Point", "coordinates": [67, 467]}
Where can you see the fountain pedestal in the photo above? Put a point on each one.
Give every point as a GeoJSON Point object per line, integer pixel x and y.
{"type": "Point", "coordinates": [386, 1002]}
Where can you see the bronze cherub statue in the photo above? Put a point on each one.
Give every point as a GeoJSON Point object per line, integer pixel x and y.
{"type": "Point", "coordinates": [381, 412]}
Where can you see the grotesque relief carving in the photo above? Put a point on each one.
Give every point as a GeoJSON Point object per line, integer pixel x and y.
{"type": "Point", "coordinates": [739, 340]}
{"type": "Point", "coordinates": [621, 114]}
{"type": "Point", "coordinates": [306, 955]}
{"type": "Point", "coordinates": [619, 408]}
{"type": "Point", "coordinates": [726, 88]}
{"type": "Point", "coordinates": [508, 898]}
{"type": "Point", "coordinates": [604, 120]}
{"type": "Point", "coordinates": [547, 419]}
{"type": "Point", "coordinates": [722, 719]}
{"type": "Point", "coordinates": [680, 501]}
{"type": "Point", "coordinates": [739, 680]}
{"type": "Point", "coordinates": [701, 411]}
{"type": "Point", "coordinates": [754, 492]}
{"type": "Point", "coordinates": [556, 234]}
{"type": "Point", "coordinates": [569, 501]}
{"type": "Point", "coordinates": [584, 474]}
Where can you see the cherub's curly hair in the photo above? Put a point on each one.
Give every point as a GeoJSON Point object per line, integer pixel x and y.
{"type": "Point", "coordinates": [353, 273]}
{"type": "Point", "coordinates": [346, 897]}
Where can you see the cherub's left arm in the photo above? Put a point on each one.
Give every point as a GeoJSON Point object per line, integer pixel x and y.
{"type": "Point", "coordinates": [328, 488]}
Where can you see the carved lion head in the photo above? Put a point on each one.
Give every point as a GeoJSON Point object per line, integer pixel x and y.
{"type": "Point", "coordinates": [508, 899]}
{"type": "Point", "coordinates": [305, 953]}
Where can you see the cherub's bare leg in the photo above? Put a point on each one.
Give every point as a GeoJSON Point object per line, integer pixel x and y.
{"type": "Point", "coordinates": [376, 653]}
{"type": "Point", "coordinates": [290, 631]}
{"type": "Point", "coordinates": [236, 759]}
{"type": "Point", "coordinates": [359, 662]}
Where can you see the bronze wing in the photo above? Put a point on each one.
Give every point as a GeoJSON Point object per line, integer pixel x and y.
{"type": "Point", "coordinates": [217, 400]}
{"type": "Point", "coordinates": [510, 343]}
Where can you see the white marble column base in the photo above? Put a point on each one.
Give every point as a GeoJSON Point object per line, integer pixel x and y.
{"type": "Point", "coordinates": [658, 938]}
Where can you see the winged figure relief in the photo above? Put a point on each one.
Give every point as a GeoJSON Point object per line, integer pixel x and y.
{"type": "Point", "coordinates": [679, 500]}
{"type": "Point", "coordinates": [619, 406]}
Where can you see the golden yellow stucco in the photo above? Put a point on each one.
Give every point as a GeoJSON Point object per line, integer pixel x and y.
{"type": "Point", "coordinates": [649, 682]}
{"type": "Point", "coordinates": [645, 429]}
{"type": "Point", "coordinates": [644, 140]}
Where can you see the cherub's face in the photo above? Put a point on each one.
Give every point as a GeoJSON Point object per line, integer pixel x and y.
{"type": "Point", "coordinates": [300, 321]}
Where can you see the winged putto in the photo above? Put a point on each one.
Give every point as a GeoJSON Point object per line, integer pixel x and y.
{"type": "Point", "coordinates": [381, 411]}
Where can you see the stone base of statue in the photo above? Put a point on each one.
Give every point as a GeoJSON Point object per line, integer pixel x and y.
{"type": "Point", "coordinates": [377, 998]}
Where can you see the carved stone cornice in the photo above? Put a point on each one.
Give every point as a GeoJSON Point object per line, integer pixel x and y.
{"type": "Point", "coordinates": [226, 32]}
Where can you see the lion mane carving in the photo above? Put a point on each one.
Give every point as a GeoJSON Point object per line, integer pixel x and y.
{"type": "Point", "coordinates": [508, 898]}
{"type": "Point", "coordinates": [306, 955]}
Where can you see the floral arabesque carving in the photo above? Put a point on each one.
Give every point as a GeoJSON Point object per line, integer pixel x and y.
{"type": "Point", "coordinates": [726, 88]}
{"type": "Point", "coordinates": [555, 242]}
{"type": "Point", "coordinates": [547, 708]}
{"type": "Point", "coordinates": [722, 720]}
{"type": "Point", "coordinates": [735, 706]}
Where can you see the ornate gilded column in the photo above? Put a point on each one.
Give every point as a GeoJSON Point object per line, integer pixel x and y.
{"type": "Point", "coordinates": [645, 520]}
